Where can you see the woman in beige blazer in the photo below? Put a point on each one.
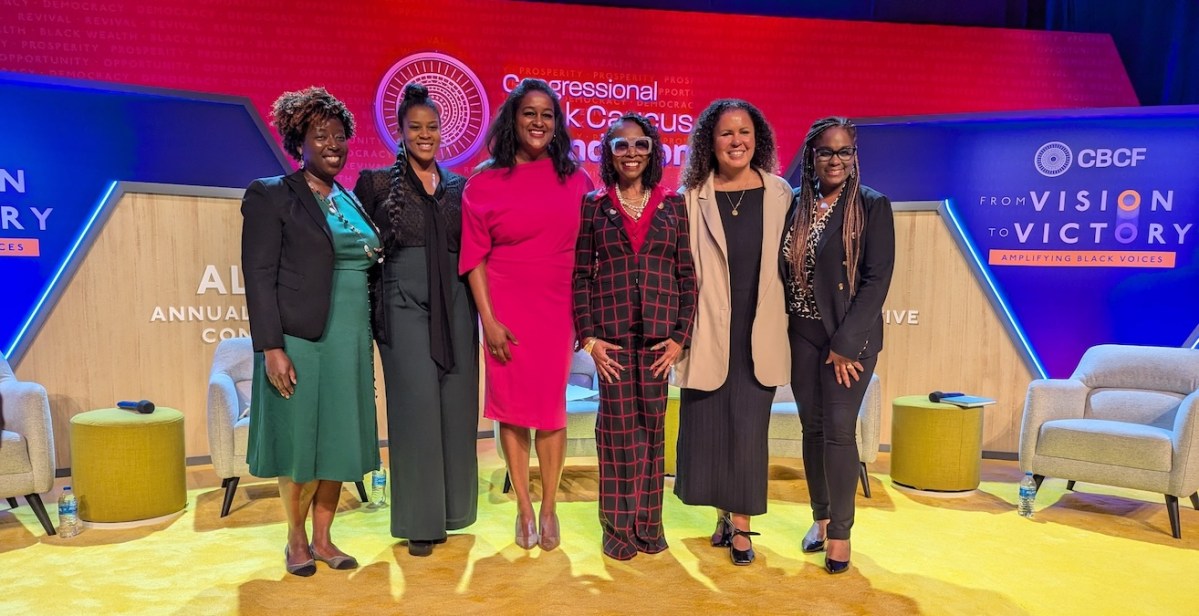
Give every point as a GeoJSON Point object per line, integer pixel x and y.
{"type": "Point", "coordinates": [739, 351]}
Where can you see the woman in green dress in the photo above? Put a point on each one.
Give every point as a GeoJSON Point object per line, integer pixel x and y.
{"type": "Point", "coordinates": [307, 249]}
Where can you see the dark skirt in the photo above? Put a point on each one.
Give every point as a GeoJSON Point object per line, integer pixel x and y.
{"type": "Point", "coordinates": [723, 455]}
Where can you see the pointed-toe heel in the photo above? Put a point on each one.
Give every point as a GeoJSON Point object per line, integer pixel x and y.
{"type": "Point", "coordinates": [526, 532]}
{"type": "Point", "coordinates": [811, 542]}
{"type": "Point", "coordinates": [836, 566]}
{"type": "Point", "coordinates": [550, 535]}
{"type": "Point", "coordinates": [304, 569]}
{"type": "Point", "coordinates": [723, 537]}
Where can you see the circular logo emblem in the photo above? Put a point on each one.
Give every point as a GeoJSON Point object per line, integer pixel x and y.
{"type": "Point", "coordinates": [456, 90]}
{"type": "Point", "coordinates": [1053, 159]}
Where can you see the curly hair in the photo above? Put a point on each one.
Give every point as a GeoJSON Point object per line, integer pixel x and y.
{"type": "Point", "coordinates": [502, 142]}
{"type": "Point", "coordinates": [701, 158]}
{"type": "Point", "coordinates": [293, 112]}
{"type": "Point", "coordinates": [652, 175]}
{"type": "Point", "coordinates": [850, 197]}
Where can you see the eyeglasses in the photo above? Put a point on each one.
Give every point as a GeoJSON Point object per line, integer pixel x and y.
{"type": "Point", "coordinates": [640, 145]}
{"type": "Point", "coordinates": [845, 154]}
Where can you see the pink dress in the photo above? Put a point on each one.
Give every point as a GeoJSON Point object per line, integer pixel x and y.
{"type": "Point", "coordinates": [523, 222]}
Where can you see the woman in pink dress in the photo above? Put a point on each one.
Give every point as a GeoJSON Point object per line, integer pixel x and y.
{"type": "Point", "coordinates": [521, 216]}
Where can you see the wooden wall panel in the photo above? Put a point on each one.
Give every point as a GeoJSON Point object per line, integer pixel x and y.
{"type": "Point", "coordinates": [960, 344]}
{"type": "Point", "coordinates": [101, 342]}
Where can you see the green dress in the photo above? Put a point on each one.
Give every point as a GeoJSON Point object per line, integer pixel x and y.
{"type": "Point", "coordinates": [327, 429]}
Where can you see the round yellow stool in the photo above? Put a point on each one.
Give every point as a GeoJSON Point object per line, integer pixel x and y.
{"type": "Point", "coordinates": [126, 466]}
{"type": "Point", "coordinates": [935, 446]}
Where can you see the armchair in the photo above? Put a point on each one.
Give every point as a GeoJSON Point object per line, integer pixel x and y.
{"type": "Point", "coordinates": [1127, 417]}
{"type": "Point", "coordinates": [229, 385]}
{"type": "Point", "coordinates": [26, 444]}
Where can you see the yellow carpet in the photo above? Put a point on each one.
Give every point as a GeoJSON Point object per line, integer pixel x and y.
{"type": "Point", "coordinates": [1096, 551]}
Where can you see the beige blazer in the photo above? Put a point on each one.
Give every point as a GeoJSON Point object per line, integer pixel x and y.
{"type": "Point", "coordinates": [704, 364]}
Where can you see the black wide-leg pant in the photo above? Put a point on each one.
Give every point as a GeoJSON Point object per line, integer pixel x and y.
{"type": "Point", "coordinates": [432, 423]}
{"type": "Point", "coordinates": [829, 414]}
{"type": "Point", "coordinates": [629, 436]}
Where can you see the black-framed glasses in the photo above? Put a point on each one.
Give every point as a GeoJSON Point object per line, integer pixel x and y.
{"type": "Point", "coordinates": [845, 154]}
{"type": "Point", "coordinates": [638, 145]}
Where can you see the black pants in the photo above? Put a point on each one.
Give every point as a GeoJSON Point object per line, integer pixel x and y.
{"type": "Point", "coordinates": [829, 414]}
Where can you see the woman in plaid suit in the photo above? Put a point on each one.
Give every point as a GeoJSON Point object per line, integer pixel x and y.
{"type": "Point", "coordinates": [634, 302]}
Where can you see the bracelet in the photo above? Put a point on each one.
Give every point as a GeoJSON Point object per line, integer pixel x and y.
{"type": "Point", "coordinates": [590, 344]}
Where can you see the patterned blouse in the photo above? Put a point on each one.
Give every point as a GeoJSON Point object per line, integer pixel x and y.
{"type": "Point", "coordinates": [802, 302]}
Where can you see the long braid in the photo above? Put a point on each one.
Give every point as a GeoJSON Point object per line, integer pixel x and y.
{"type": "Point", "coordinates": [850, 197]}
{"type": "Point", "coordinates": [395, 186]}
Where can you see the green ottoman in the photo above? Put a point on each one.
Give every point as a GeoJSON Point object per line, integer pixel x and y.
{"type": "Point", "coordinates": [935, 446]}
{"type": "Point", "coordinates": [126, 466]}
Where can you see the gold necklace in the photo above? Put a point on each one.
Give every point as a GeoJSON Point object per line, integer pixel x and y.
{"type": "Point", "coordinates": [739, 199]}
{"type": "Point", "coordinates": [634, 211]}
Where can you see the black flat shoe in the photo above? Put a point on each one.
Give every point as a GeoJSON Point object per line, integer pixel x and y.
{"type": "Point", "coordinates": [420, 548]}
{"type": "Point", "coordinates": [723, 537]}
{"type": "Point", "coordinates": [836, 566]}
{"type": "Point", "coordinates": [742, 558]}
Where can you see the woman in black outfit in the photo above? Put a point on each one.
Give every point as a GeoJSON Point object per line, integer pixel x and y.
{"type": "Point", "coordinates": [424, 321]}
{"type": "Point", "coordinates": [838, 254]}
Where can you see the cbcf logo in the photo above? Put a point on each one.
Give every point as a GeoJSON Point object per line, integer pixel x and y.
{"type": "Point", "coordinates": [456, 90]}
{"type": "Point", "coordinates": [1054, 158]}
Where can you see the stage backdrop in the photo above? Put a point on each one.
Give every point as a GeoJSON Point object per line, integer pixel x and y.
{"type": "Point", "coordinates": [603, 61]}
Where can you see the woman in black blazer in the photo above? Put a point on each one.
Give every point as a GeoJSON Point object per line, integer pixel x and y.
{"type": "Point", "coordinates": [307, 248]}
{"type": "Point", "coordinates": [837, 257]}
{"type": "Point", "coordinates": [634, 303]}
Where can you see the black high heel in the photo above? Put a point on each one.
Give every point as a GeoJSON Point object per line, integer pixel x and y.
{"type": "Point", "coordinates": [723, 537]}
{"type": "Point", "coordinates": [810, 544]}
{"type": "Point", "coordinates": [742, 558]}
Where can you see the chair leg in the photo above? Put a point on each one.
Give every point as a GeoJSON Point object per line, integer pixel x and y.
{"type": "Point", "coordinates": [35, 503]}
{"type": "Point", "coordinates": [1070, 485]}
{"type": "Point", "coordinates": [230, 485]}
{"type": "Point", "coordinates": [507, 483]}
{"type": "Point", "coordinates": [1195, 500]}
{"type": "Point", "coordinates": [12, 502]}
{"type": "Point", "coordinates": [865, 479]}
{"type": "Point", "coordinates": [1172, 509]}
{"type": "Point", "coordinates": [362, 492]}
{"type": "Point", "coordinates": [1038, 479]}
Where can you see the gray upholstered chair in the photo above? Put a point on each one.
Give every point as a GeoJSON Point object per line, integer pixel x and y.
{"type": "Point", "coordinates": [580, 414]}
{"type": "Point", "coordinates": [1127, 417]}
{"type": "Point", "coordinates": [786, 431]}
{"type": "Point", "coordinates": [26, 444]}
{"type": "Point", "coordinates": [229, 385]}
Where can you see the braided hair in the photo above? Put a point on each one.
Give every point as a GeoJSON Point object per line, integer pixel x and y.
{"type": "Point", "coordinates": [850, 198]}
{"type": "Point", "coordinates": [415, 95]}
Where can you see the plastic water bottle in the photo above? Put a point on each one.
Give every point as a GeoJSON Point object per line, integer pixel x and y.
{"type": "Point", "coordinates": [1028, 495]}
{"type": "Point", "coordinates": [68, 514]}
{"type": "Point", "coordinates": [379, 487]}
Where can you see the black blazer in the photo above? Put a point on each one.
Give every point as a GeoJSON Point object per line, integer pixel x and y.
{"type": "Point", "coordinates": [607, 272]}
{"type": "Point", "coordinates": [287, 260]}
{"type": "Point", "coordinates": [854, 326]}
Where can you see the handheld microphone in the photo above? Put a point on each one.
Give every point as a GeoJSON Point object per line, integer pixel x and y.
{"type": "Point", "coordinates": [145, 407]}
{"type": "Point", "coordinates": [936, 396]}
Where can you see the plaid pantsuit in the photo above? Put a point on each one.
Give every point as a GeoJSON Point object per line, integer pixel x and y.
{"type": "Point", "coordinates": [635, 300]}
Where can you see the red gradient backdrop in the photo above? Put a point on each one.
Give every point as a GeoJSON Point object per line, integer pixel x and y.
{"type": "Point", "coordinates": [794, 69]}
